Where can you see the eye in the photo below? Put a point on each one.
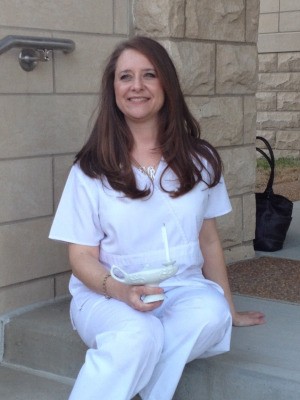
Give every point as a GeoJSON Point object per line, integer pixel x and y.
{"type": "Point", "coordinates": [150, 75]}
{"type": "Point", "coordinates": [125, 77]}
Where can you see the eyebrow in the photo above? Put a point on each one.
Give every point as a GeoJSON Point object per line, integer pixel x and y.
{"type": "Point", "coordinates": [143, 70]}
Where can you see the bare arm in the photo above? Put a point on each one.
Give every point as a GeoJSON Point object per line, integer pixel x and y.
{"type": "Point", "coordinates": [214, 269]}
{"type": "Point", "coordinates": [84, 261]}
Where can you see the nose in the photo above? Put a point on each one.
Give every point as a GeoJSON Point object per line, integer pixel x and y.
{"type": "Point", "coordinates": [137, 83]}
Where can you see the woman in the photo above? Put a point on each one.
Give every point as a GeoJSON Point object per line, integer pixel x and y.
{"type": "Point", "coordinates": [143, 166]}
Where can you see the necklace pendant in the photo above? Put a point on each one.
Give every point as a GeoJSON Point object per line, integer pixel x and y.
{"type": "Point", "coordinates": [149, 171]}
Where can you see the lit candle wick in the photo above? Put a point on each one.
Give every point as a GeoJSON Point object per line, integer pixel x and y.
{"type": "Point", "coordinates": [165, 240]}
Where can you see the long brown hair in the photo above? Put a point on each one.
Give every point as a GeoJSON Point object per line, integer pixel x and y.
{"type": "Point", "coordinates": [107, 151]}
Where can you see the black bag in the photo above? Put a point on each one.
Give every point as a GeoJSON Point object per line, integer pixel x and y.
{"type": "Point", "coordinates": [273, 211]}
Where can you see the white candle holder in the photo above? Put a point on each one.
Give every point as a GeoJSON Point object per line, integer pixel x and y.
{"type": "Point", "coordinates": [148, 276]}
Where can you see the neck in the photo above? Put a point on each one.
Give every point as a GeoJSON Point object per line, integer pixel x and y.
{"type": "Point", "coordinates": [146, 152]}
{"type": "Point", "coordinates": [144, 133]}
{"type": "Point", "coordinates": [146, 149]}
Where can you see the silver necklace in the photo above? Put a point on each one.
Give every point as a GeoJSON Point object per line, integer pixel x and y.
{"type": "Point", "coordinates": [149, 171]}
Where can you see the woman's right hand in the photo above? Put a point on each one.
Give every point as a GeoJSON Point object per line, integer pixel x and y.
{"type": "Point", "coordinates": [132, 295]}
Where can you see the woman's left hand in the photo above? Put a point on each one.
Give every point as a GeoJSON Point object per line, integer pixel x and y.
{"type": "Point", "coordinates": [248, 318]}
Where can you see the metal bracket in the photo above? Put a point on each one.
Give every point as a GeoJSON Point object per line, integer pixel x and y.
{"type": "Point", "coordinates": [35, 49]}
{"type": "Point", "coordinates": [29, 58]}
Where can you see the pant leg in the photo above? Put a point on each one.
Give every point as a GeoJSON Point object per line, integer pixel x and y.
{"type": "Point", "coordinates": [124, 347]}
{"type": "Point", "coordinates": [197, 323]}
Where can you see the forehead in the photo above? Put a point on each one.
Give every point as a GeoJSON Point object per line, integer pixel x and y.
{"type": "Point", "coordinates": [131, 59]}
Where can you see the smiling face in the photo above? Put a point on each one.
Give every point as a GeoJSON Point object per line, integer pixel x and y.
{"type": "Point", "coordinates": [138, 91]}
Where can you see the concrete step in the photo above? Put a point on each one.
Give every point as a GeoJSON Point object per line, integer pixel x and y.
{"type": "Point", "coordinates": [263, 363]}
{"type": "Point", "coordinates": [43, 339]}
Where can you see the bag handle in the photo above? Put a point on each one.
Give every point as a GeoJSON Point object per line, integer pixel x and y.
{"type": "Point", "coordinates": [271, 161]}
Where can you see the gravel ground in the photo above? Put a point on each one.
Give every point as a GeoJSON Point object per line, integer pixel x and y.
{"type": "Point", "coordinates": [266, 277]}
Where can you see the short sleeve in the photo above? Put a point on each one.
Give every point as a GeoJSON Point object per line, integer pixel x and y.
{"type": "Point", "coordinates": [218, 201]}
{"type": "Point", "coordinates": [77, 216]}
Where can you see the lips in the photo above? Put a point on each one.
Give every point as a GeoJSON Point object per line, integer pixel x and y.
{"type": "Point", "coordinates": [138, 99]}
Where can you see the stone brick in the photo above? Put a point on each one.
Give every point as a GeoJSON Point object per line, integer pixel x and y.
{"type": "Point", "coordinates": [33, 255]}
{"type": "Point", "coordinates": [26, 189]}
{"type": "Point", "coordinates": [199, 77]}
{"type": "Point", "coordinates": [289, 62]}
{"type": "Point", "coordinates": [159, 18]}
{"type": "Point", "coordinates": [288, 140]}
{"type": "Point", "coordinates": [249, 119]}
{"type": "Point", "coordinates": [287, 154]}
{"type": "Point", "coordinates": [267, 6]}
{"type": "Point", "coordinates": [252, 20]}
{"type": "Point", "coordinates": [266, 101]}
{"type": "Point", "coordinates": [230, 226]}
{"type": "Point", "coordinates": [289, 5]}
{"type": "Point", "coordinates": [288, 101]}
{"type": "Point", "coordinates": [33, 125]}
{"type": "Point", "coordinates": [22, 295]}
{"type": "Point", "coordinates": [221, 119]}
{"type": "Point", "coordinates": [216, 19]}
{"type": "Point", "coordinates": [62, 166]}
{"type": "Point", "coordinates": [269, 135]}
{"type": "Point", "coordinates": [81, 71]}
{"type": "Point", "coordinates": [236, 69]}
{"type": "Point", "coordinates": [61, 15]}
{"type": "Point", "coordinates": [275, 120]}
{"type": "Point", "coordinates": [267, 62]}
{"type": "Point", "coordinates": [278, 42]}
{"type": "Point", "coordinates": [289, 21]}
{"type": "Point", "coordinates": [268, 23]}
{"type": "Point", "coordinates": [121, 18]}
{"type": "Point", "coordinates": [282, 81]}
{"type": "Point", "coordinates": [238, 169]}
{"type": "Point", "coordinates": [249, 217]}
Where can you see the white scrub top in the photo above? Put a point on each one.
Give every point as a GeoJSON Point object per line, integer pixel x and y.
{"type": "Point", "coordinates": [128, 231]}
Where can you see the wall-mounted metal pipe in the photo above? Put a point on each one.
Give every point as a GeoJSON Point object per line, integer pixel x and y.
{"type": "Point", "coordinates": [34, 49]}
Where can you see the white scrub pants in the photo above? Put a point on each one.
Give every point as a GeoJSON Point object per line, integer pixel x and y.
{"type": "Point", "coordinates": [133, 352]}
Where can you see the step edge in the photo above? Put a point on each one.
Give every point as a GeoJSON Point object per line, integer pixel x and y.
{"type": "Point", "coordinates": [40, 373]}
{"type": "Point", "coordinates": [6, 317]}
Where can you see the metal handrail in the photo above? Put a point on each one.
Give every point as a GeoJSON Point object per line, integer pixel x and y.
{"type": "Point", "coordinates": [32, 42]}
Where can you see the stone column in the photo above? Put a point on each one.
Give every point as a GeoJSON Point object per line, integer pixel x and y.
{"type": "Point", "coordinates": [213, 45]}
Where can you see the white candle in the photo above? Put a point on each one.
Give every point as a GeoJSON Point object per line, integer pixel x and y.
{"type": "Point", "coordinates": [165, 240]}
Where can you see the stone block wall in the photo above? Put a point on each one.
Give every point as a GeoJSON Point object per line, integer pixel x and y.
{"type": "Point", "coordinates": [45, 116]}
{"type": "Point", "coordinates": [278, 96]}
